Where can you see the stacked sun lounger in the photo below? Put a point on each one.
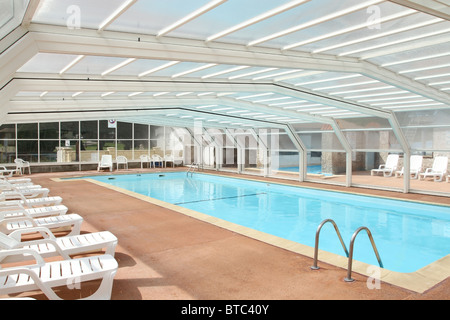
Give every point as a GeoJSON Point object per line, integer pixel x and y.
{"type": "Point", "coordinates": [27, 209]}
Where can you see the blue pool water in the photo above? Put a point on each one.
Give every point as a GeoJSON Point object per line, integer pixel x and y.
{"type": "Point", "coordinates": [408, 235]}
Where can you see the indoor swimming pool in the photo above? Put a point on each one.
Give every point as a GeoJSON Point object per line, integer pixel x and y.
{"type": "Point", "coordinates": [408, 235]}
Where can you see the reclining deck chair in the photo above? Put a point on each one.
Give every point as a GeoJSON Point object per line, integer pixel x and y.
{"type": "Point", "coordinates": [105, 163]}
{"type": "Point", "coordinates": [17, 210]}
{"type": "Point", "coordinates": [25, 192]}
{"type": "Point", "coordinates": [73, 221]}
{"type": "Point", "coordinates": [42, 275]}
{"type": "Point", "coordinates": [438, 170]}
{"type": "Point", "coordinates": [388, 168]}
{"type": "Point", "coordinates": [415, 167]}
{"type": "Point", "coordinates": [51, 246]}
{"type": "Point", "coordinates": [31, 202]}
{"type": "Point", "coordinates": [8, 172]}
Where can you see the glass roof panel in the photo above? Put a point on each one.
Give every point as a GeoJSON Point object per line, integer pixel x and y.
{"type": "Point", "coordinates": [75, 13]}
{"type": "Point", "coordinates": [47, 63]}
{"type": "Point", "coordinates": [227, 15]}
{"type": "Point", "coordinates": [94, 65]}
{"type": "Point", "coordinates": [11, 15]}
{"type": "Point", "coordinates": [297, 16]}
{"type": "Point", "coordinates": [149, 17]}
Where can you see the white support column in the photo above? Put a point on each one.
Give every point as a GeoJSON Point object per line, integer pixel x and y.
{"type": "Point", "coordinates": [348, 151]}
{"type": "Point", "coordinates": [240, 150]}
{"type": "Point", "coordinates": [265, 150]}
{"type": "Point", "coordinates": [301, 149]}
{"type": "Point", "coordinates": [406, 151]}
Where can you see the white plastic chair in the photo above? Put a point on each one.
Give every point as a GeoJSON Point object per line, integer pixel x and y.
{"type": "Point", "coordinates": [145, 159]}
{"type": "Point", "coordinates": [39, 276]}
{"type": "Point", "coordinates": [438, 170]}
{"type": "Point", "coordinates": [157, 159]}
{"type": "Point", "coordinates": [415, 167]}
{"type": "Point", "coordinates": [22, 165]}
{"type": "Point", "coordinates": [18, 210]}
{"type": "Point", "coordinates": [122, 160]}
{"type": "Point", "coordinates": [388, 168]}
{"type": "Point", "coordinates": [105, 163]}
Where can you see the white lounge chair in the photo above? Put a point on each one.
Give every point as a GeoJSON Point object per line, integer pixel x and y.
{"type": "Point", "coordinates": [25, 192]}
{"type": "Point", "coordinates": [122, 160]}
{"type": "Point", "coordinates": [15, 180]}
{"type": "Point", "coordinates": [42, 275]}
{"type": "Point", "coordinates": [73, 221]}
{"type": "Point", "coordinates": [388, 168]}
{"type": "Point", "coordinates": [105, 163]}
{"type": "Point", "coordinates": [438, 170]}
{"type": "Point", "coordinates": [52, 246]}
{"type": "Point", "coordinates": [145, 159]}
{"type": "Point", "coordinates": [18, 210]}
{"type": "Point", "coordinates": [22, 165]}
{"type": "Point", "coordinates": [415, 167]}
{"type": "Point", "coordinates": [8, 172]}
{"type": "Point", "coordinates": [30, 203]}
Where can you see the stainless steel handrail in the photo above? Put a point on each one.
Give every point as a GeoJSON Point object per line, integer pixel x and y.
{"type": "Point", "coordinates": [350, 256]}
{"type": "Point", "coordinates": [192, 169]}
{"type": "Point", "coordinates": [316, 246]}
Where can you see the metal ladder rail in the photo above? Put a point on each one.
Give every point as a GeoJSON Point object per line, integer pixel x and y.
{"type": "Point", "coordinates": [316, 246]}
{"type": "Point", "coordinates": [350, 256]}
{"type": "Point", "coordinates": [192, 169]}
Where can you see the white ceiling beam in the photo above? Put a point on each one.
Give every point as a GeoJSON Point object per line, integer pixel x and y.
{"type": "Point", "coordinates": [29, 13]}
{"type": "Point", "coordinates": [197, 51]}
{"type": "Point", "coordinates": [92, 85]}
{"type": "Point", "coordinates": [207, 7]}
{"type": "Point", "coordinates": [117, 13]}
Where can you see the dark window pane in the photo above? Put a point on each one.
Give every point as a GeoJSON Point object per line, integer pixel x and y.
{"type": "Point", "coordinates": [124, 130]}
{"type": "Point", "coordinates": [7, 151]}
{"type": "Point", "coordinates": [27, 131]}
{"type": "Point", "coordinates": [48, 150]}
{"type": "Point", "coordinates": [105, 131]}
{"type": "Point", "coordinates": [49, 130]}
{"type": "Point", "coordinates": [27, 150]}
{"type": "Point", "coordinates": [69, 130]}
{"type": "Point", "coordinates": [8, 131]}
{"type": "Point", "coordinates": [140, 131]}
{"type": "Point", "coordinates": [89, 130]}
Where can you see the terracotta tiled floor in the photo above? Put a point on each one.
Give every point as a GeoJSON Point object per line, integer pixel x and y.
{"type": "Point", "coordinates": [163, 254]}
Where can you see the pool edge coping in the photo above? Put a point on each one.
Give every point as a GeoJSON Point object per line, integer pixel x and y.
{"type": "Point", "coordinates": [418, 281]}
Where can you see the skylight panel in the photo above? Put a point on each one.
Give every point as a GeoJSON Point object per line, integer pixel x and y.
{"type": "Point", "coordinates": [124, 7]}
{"type": "Point", "coordinates": [118, 66]}
{"type": "Point", "coordinates": [194, 70]}
{"type": "Point", "coordinates": [256, 19]}
{"type": "Point", "coordinates": [366, 24]}
{"type": "Point", "coordinates": [209, 6]}
{"type": "Point", "coordinates": [71, 64]}
{"type": "Point", "coordinates": [156, 69]}
{"type": "Point", "coordinates": [314, 22]}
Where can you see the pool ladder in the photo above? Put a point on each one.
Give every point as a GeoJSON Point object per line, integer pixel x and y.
{"type": "Point", "coordinates": [192, 168]}
{"type": "Point", "coordinates": [349, 254]}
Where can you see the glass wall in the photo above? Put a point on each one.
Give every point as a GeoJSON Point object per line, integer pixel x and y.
{"type": "Point", "coordinates": [87, 141]}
